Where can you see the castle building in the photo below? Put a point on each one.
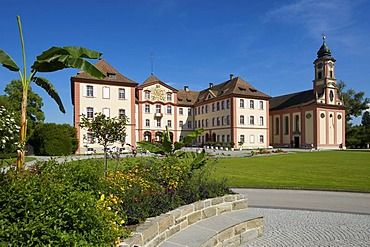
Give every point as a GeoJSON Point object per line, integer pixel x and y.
{"type": "Point", "coordinates": [232, 113]}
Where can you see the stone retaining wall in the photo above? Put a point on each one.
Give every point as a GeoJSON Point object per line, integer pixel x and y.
{"type": "Point", "coordinates": [157, 229]}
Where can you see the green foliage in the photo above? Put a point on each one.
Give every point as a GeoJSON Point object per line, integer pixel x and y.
{"type": "Point", "coordinates": [56, 205]}
{"type": "Point", "coordinates": [354, 101]}
{"type": "Point", "coordinates": [173, 150]}
{"type": "Point", "coordinates": [8, 131]}
{"type": "Point", "coordinates": [365, 121]}
{"type": "Point", "coordinates": [54, 139]}
{"type": "Point", "coordinates": [34, 102]}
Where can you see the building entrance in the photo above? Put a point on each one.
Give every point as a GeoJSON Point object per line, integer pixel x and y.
{"type": "Point", "coordinates": [296, 142]}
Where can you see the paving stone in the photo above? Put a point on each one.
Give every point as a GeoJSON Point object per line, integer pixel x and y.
{"type": "Point", "coordinates": [311, 228]}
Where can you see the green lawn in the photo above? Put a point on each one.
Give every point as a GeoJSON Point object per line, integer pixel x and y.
{"type": "Point", "coordinates": [334, 170]}
{"type": "Point", "coordinates": [13, 161]}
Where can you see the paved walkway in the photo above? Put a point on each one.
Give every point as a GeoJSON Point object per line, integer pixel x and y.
{"type": "Point", "coordinates": [311, 218]}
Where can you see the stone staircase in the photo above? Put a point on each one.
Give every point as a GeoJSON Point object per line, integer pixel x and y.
{"type": "Point", "coordinates": [221, 221]}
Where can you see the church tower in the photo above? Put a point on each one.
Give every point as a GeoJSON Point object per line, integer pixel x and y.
{"type": "Point", "coordinates": [325, 83]}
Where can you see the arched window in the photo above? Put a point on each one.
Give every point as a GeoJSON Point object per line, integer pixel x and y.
{"type": "Point", "coordinates": [241, 119]}
{"type": "Point", "coordinates": [296, 122]}
{"type": "Point", "coordinates": [241, 104]}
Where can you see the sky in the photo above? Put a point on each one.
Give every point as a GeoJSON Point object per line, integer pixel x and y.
{"type": "Point", "coordinates": [271, 44]}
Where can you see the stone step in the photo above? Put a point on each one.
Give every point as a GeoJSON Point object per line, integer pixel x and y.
{"type": "Point", "coordinates": [228, 229]}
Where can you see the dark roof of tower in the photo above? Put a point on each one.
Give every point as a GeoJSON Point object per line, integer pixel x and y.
{"type": "Point", "coordinates": [324, 50]}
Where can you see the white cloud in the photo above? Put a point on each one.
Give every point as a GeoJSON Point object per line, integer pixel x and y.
{"type": "Point", "coordinates": [316, 16]}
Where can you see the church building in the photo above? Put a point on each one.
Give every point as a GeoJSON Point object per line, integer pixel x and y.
{"type": "Point", "coordinates": [233, 113]}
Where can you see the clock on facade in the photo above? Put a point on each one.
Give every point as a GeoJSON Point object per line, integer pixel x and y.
{"type": "Point", "coordinates": [319, 66]}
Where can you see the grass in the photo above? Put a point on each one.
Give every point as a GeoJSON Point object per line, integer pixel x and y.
{"type": "Point", "coordinates": [12, 161]}
{"type": "Point", "coordinates": [335, 170]}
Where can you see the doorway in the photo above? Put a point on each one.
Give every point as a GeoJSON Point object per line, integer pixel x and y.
{"type": "Point", "coordinates": [296, 142]}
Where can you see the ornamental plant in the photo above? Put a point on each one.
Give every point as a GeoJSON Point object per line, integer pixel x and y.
{"type": "Point", "coordinates": [53, 59]}
{"type": "Point", "coordinates": [8, 130]}
{"type": "Point", "coordinates": [105, 130]}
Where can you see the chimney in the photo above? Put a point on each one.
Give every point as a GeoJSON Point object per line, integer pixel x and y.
{"type": "Point", "coordinates": [231, 76]}
{"type": "Point", "coordinates": [210, 84]}
{"type": "Point", "coordinates": [186, 88]}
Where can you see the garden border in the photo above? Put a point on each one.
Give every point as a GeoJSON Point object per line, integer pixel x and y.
{"type": "Point", "coordinates": [156, 230]}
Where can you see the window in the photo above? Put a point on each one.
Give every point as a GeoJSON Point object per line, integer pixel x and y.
{"type": "Point", "coordinates": [251, 138]}
{"type": "Point", "coordinates": [241, 104]}
{"type": "Point", "coordinates": [169, 97]}
{"type": "Point", "coordinates": [169, 109]}
{"type": "Point", "coordinates": [89, 112]}
{"type": "Point", "coordinates": [147, 108]}
{"type": "Point", "coordinates": [195, 111]}
{"type": "Point", "coordinates": [189, 111]}
{"type": "Point", "coordinates": [169, 123]}
{"type": "Point", "coordinates": [213, 122]}
{"type": "Point", "coordinates": [228, 120]}
{"type": "Point", "coordinates": [106, 112]}
{"type": "Point", "coordinates": [218, 121]}
{"type": "Point", "coordinates": [158, 122]}
{"type": "Point", "coordinates": [202, 109]}
{"type": "Point", "coordinates": [251, 120]}
{"type": "Point", "coordinates": [189, 124]}
{"type": "Point", "coordinates": [206, 108]}
{"type": "Point", "coordinates": [286, 125]}
{"type": "Point", "coordinates": [218, 106]}
{"type": "Point", "coordinates": [111, 75]}
{"type": "Point", "coordinates": [241, 119]}
{"type": "Point", "coordinates": [228, 104]}
{"type": "Point", "coordinates": [181, 111]}
{"type": "Point", "coordinates": [277, 126]}
{"type": "Point", "coordinates": [261, 105]}
{"type": "Point", "coordinates": [251, 104]}
{"type": "Point", "coordinates": [223, 138]}
{"type": "Point", "coordinates": [331, 74]}
{"type": "Point", "coordinates": [147, 94]}
{"type": "Point", "coordinates": [319, 75]}
{"type": "Point", "coordinates": [195, 124]}
{"type": "Point", "coordinates": [242, 138]}
{"type": "Point", "coordinates": [121, 113]}
{"type": "Point", "coordinates": [261, 121]}
{"type": "Point", "coordinates": [213, 107]}
{"type": "Point", "coordinates": [90, 138]}
{"type": "Point", "coordinates": [222, 120]}
{"type": "Point", "coordinates": [89, 91]}
{"type": "Point", "coordinates": [181, 124]}
{"type": "Point", "coordinates": [121, 93]}
{"type": "Point", "coordinates": [262, 139]}
{"type": "Point", "coordinates": [296, 123]}
{"type": "Point", "coordinates": [157, 109]}
{"type": "Point", "coordinates": [202, 123]}
{"type": "Point", "coordinates": [207, 122]}
{"type": "Point", "coordinates": [222, 105]}
{"type": "Point", "coordinates": [147, 123]}
{"type": "Point", "coordinates": [106, 92]}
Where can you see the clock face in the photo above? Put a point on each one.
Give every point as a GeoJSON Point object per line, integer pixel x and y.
{"type": "Point", "coordinates": [319, 66]}
{"type": "Point", "coordinates": [331, 64]}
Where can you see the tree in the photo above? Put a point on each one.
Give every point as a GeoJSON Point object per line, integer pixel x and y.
{"type": "Point", "coordinates": [54, 139]}
{"type": "Point", "coordinates": [53, 59]}
{"type": "Point", "coordinates": [105, 130]}
{"type": "Point", "coordinates": [354, 101]}
{"type": "Point", "coordinates": [366, 119]}
{"type": "Point", "coordinates": [34, 101]}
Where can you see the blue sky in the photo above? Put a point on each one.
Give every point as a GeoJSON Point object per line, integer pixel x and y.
{"type": "Point", "coordinates": [271, 44]}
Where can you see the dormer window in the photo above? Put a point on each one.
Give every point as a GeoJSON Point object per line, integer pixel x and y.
{"type": "Point", "coordinates": [111, 75]}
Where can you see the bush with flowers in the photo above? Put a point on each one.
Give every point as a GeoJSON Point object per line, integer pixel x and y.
{"type": "Point", "coordinates": [8, 131]}
{"type": "Point", "coordinates": [74, 203]}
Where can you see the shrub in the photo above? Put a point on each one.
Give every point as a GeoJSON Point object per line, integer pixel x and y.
{"type": "Point", "coordinates": [54, 139]}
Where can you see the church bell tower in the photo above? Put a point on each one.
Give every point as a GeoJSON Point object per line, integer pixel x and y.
{"type": "Point", "coordinates": [325, 83]}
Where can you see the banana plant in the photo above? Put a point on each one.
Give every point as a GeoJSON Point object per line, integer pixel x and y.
{"type": "Point", "coordinates": [169, 149]}
{"type": "Point", "coordinates": [53, 59]}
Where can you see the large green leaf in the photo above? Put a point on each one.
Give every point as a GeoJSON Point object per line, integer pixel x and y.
{"type": "Point", "coordinates": [193, 135]}
{"type": "Point", "coordinates": [49, 88]}
{"type": "Point", "coordinates": [74, 51]}
{"type": "Point", "coordinates": [7, 61]}
{"type": "Point", "coordinates": [58, 62]}
{"type": "Point", "coordinates": [151, 147]}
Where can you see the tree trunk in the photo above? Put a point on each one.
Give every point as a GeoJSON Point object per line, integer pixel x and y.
{"type": "Point", "coordinates": [22, 131]}
{"type": "Point", "coordinates": [105, 160]}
